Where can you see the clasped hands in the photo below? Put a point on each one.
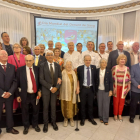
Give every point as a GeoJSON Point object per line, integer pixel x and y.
{"type": "Point", "coordinates": [6, 95]}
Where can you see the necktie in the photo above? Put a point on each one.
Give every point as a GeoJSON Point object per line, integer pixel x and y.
{"type": "Point", "coordinates": [33, 81]}
{"type": "Point", "coordinates": [51, 70]}
{"type": "Point", "coordinates": [88, 76]}
{"type": "Point", "coordinates": [4, 67]}
{"type": "Point", "coordinates": [36, 61]}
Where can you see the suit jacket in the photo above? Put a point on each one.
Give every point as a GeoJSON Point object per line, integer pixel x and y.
{"type": "Point", "coordinates": [22, 81]}
{"type": "Point", "coordinates": [3, 46]}
{"type": "Point", "coordinates": [108, 81]}
{"type": "Point", "coordinates": [62, 54]}
{"type": "Point", "coordinates": [132, 57]}
{"type": "Point", "coordinates": [45, 77]}
{"type": "Point", "coordinates": [135, 78]}
{"type": "Point", "coordinates": [114, 55]}
{"type": "Point", "coordinates": [41, 60]}
{"type": "Point", "coordinates": [8, 81]}
{"type": "Point", "coordinates": [80, 73]}
{"type": "Point", "coordinates": [17, 64]}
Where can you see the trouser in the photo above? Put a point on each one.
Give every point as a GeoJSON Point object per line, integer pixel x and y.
{"type": "Point", "coordinates": [31, 99]}
{"type": "Point", "coordinates": [103, 105]}
{"type": "Point", "coordinates": [9, 113]}
{"type": "Point", "coordinates": [49, 98]}
{"type": "Point", "coordinates": [86, 95]}
{"type": "Point", "coordinates": [118, 102]}
{"type": "Point", "coordinates": [135, 97]}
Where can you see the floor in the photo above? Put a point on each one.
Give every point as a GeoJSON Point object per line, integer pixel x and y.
{"type": "Point", "coordinates": [114, 131]}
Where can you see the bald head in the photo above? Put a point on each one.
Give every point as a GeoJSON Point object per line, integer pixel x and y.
{"type": "Point", "coordinates": [3, 56]}
{"type": "Point", "coordinates": [50, 44]}
{"type": "Point", "coordinates": [135, 47]}
{"type": "Point", "coordinates": [120, 45]}
{"type": "Point", "coordinates": [29, 60]}
{"type": "Point", "coordinates": [58, 45]}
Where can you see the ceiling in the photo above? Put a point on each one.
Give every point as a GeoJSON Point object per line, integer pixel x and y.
{"type": "Point", "coordinates": [77, 3]}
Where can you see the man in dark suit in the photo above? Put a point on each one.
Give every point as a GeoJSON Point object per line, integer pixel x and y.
{"type": "Point", "coordinates": [6, 43]}
{"type": "Point", "coordinates": [114, 55]}
{"type": "Point", "coordinates": [38, 58]}
{"type": "Point", "coordinates": [8, 85]}
{"type": "Point", "coordinates": [49, 74]}
{"type": "Point", "coordinates": [28, 82]}
{"type": "Point", "coordinates": [87, 77]}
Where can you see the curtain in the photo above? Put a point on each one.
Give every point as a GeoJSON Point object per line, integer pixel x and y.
{"type": "Point", "coordinates": [110, 28]}
{"type": "Point", "coordinates": [15, 23]}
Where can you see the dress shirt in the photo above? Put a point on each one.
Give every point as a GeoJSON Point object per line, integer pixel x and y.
{"type": "Point", "coordinates": [74, 57]}
{"type": "Point", "coordinates": [104, 55]}
{"type": "Point", "coordinates": [119, 52]}
{"type": "Point", "coordinates": [101, 76]}
{"type": "Point", "coordinates": [93, 57]}
{"type": "Point", "coordinates": [136, 59]}
{"type": "Point", "coordinates": [108, 51]}
{"type": "Point", "coordinates": [85, 76]}
{"type": "Point", "coordinates": [29, 81]}
{"type": "Point", "coordinates": [38, 57]}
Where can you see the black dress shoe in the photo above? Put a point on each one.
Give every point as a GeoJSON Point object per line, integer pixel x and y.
{"type": "Point", "coordinates": [13, 131]}
{"type": "Point", "coordinates": [25, 131]}
{"type": "Point", "coordinates": [82, 123]}
{"type": "Point", "coordinates": [55, 127]}
{"type": "Point", "coordinates": [92, 121]}
{"type": "Point", "coordinates": [131, 120]}
{"type": "Point", "coordinates": [37, 129]}
{"type": "Point", "coordinates": [45, 128]}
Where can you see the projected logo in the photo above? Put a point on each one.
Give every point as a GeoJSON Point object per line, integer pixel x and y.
{"type": "Point", "coordinates": [70, 36]}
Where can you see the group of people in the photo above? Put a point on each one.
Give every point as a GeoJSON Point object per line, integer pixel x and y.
{"type": "Point", "coordinates": [75, 75]}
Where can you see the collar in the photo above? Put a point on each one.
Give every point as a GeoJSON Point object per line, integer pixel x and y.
{"type": "Point", "coordinates": [28, 67]}
{"type": "Point", "coordinates": [50, 63]}
{"type": "Point", "coordinates": [101, 54]}
{"type": "Point", "coordinates": [86, 66]}
{"type": "Point", "coordinates": [89, 51]}
{"type": "Point", "coordinates": [3, 64]}
{"type": "Point", "coordinates": [120, 51]}
{"type": "Point", "coordinates": [102, 70]}
{"type": "Point", "coordinates": [38, 56]}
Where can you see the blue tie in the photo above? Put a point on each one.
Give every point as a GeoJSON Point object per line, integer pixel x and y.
{"type": "Point", "coordinates": [88, 76]}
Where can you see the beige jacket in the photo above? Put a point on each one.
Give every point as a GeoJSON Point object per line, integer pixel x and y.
{"type": "Point", "coordinates": [132, 57]}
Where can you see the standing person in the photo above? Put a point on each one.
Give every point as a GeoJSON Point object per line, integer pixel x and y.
{"type": "Point", "coordinates": [50, 45]}
{"type": "Point", "coordinates": [58, 59]}
{"type": "Point", "coordinates": [1, 46]}
{"type": "Point", "coordinates": [114, 55]}
{"type": "Point", "coordinates": [135, 89]}
{"type": "Point", "coordinates": [68, 93]}
{"type": "Point", "coordinates": [89, 51]}
{"type": "Point", "coordinates": [26, 50]}
{"type": "Point", "coordinates": [79, 47]}
{"type": "Point", "coordinates": [87, 77]}
{"type": "Point", "coordinates": [72, 55]}
{"type": "Point", "coordinates": [101, 54]}
{"type": "Point", "coordinates": [38, 58]}
{"type": "Point", "coordinates": [28, 82]}
{"type": "Point", "coordinates": [134, 53]}
{"type": "Point", "coordinates": [121, 84]}
{"type": "Point", "coordinates": [94, 47]}
{"type": "Point", "coordinates": [42, 49]}
{"type": "Point", "coordinates": [104, 88]}
{"type": "Point", "coordinates": [49, 74]}
{"type": "Point", "coordinates": [18, 60]}
{"type": "Point", "coordinates": [6, 43]}
{"type": "Point", "coordinates": [8, 85]}
{"type": "Point", "coordinates": [59, 45]}
{"type": "Point", "coordinates": [109, 46]}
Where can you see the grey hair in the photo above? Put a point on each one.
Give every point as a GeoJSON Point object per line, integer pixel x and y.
{"type": "Point", "coordinates": [134, 43]}
{"type": "Point", "coordinates": [86, 56]}
{"type": "Point", "coordinates": [48, 51]}
{"type": "Point", "coordinates": [67, 62]}
{"type": "Point", "coordinates": [16, 44]}
{"type": "Point", "coordinates": [57, 43]}
{"type": "Point", "coordinates": [103, 59]}
{"type": "Point", "coordinates": [29, 55]}
{"type": "Point", "coordinates": [36, 46]}
{"type": "Point", "coordinates": [69, 43]}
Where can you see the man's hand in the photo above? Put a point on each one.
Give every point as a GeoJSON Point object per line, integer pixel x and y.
{"type": "Point", "coordinates": [54, 89]}
{"type": "Point", "coordinates": [6, 95]}
{"type": "Point", "coordinates": [18, 99]}
{"type": "Point", "coordinates": [138, 86]}
{"type": "Point", "coordinates": [39, 94]}
{"type": "Point", "coordinates": [59, 81]}
{"type": "Point", "coordinates": [110, 93]}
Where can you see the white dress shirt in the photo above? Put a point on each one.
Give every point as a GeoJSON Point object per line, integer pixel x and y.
{"type": "Point", "coordinates": [101, 76]}
{"type": "Point", "coordinates": [52, 66]}
{"type": "Point", "coordinates": [135, 58]}
{"type": "Point", "coordinates": [85, 76]}
{"type": "Point", "coordinates": [74, 57]}
{"type": "Point", "coordinates": [93, 57]}
{"type": "Point", "coordinates": [99, 56]}
{"type": "Point", "coordinates": [29, 81]}
{"type": "Point", "coordinates": [119, 52]}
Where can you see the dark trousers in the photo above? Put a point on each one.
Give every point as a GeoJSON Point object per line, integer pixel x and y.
{"type": "Point", "coordinates": [86, 96]}
{"type": "Point", "coordinates": [31, 99]}
{"type": "Point", "coordinates": [135, 97]}
{"type": "Point", "coordinates": [9, 113]}
{"type": "Point", "coordinates": [49, 98]}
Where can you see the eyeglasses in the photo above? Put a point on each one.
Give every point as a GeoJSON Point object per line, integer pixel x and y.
{"type": "Point", "coordinates": [16, 47]}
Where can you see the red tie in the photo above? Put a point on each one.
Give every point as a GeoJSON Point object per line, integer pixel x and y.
{"type": "Point", "coordinates": [33, 81]}
{"type": "Point", "coordinates": [4, 67]}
